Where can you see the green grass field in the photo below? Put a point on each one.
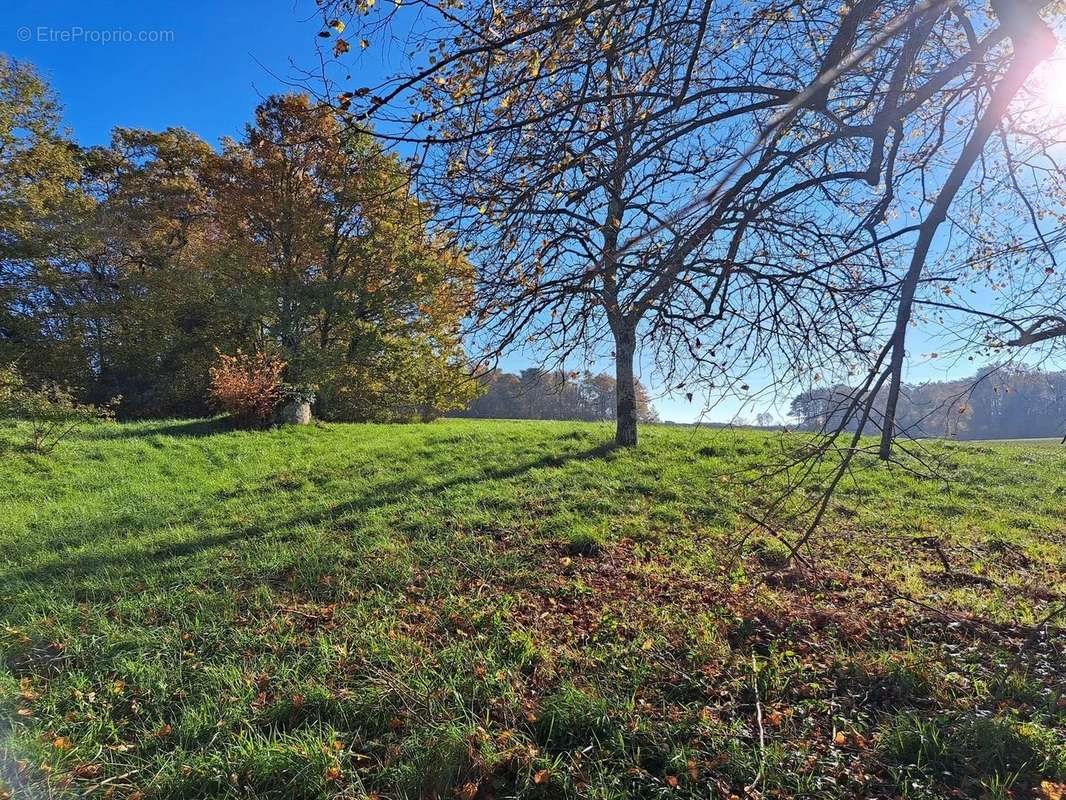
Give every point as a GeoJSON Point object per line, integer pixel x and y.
{"type": "Point", "coordinates": [1055, 442]}
{"type": "Point", "coordinates": [475, 609]}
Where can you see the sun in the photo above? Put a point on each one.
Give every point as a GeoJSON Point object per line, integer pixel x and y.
{"type": "Point", "coordinates": [1049, 84]}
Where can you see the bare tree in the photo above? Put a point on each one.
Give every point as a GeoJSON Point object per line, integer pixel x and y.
{"type": "Point", "coordinates": [723, 186]}
{"type": "Point", "coordinates": [1032, 42]}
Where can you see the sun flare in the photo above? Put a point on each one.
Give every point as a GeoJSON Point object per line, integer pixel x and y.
{"type": "Point", "coordinates": [1051, 85]}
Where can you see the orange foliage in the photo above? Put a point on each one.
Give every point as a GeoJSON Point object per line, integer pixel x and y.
{"type": "Point", "coordinates": [247, 386]}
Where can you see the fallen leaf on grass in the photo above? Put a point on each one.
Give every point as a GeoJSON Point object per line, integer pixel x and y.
{"type": "Point", "coordinates": [542, 776]}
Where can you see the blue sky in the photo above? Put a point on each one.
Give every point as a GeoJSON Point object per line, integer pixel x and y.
{"type": "Point", "coordinates": [204, 66]}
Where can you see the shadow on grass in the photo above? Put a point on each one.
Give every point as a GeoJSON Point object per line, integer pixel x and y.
{"type": "Point", "coordinates": [193, 428]}
{"type": "Point", "coordinates": [391, 492]}
{"type": "Point", "coordinates": [78, 574]}
{"type": "Point", "coordinates": [70, 574]}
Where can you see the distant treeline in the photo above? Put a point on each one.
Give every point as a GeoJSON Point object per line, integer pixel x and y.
{"type": "Point", "coordinates": [996, 403]}
{"type": "Point", "coordinates": [539, 394]}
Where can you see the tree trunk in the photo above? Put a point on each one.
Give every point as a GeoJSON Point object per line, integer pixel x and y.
{"type": "Point", "coordinates": [1033, 42]}
{"type": "Point", "coordinates": [625, 388]}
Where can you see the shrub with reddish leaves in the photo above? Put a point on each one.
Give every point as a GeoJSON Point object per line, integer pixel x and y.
{"type": "Point", "coordinates": [247, 386]}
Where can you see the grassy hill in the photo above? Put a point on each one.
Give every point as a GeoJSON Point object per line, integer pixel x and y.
{"type": "Point", "coordinates": [483, 609]}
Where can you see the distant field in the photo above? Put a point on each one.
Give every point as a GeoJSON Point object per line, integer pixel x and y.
{"type": "Point", "coordinates": [1053, 442]}
{"type": "Point", "coordinates": [484, 609]}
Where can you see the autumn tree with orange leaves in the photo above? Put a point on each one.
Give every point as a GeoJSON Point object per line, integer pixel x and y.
{"type": "Point", "coordinates": [301, 242]}
{"type": "Point", "coordinates": [326, 257]}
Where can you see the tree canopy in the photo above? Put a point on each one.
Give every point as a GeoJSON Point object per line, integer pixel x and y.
{"type": "Point", "coordinates": [127, 268]}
